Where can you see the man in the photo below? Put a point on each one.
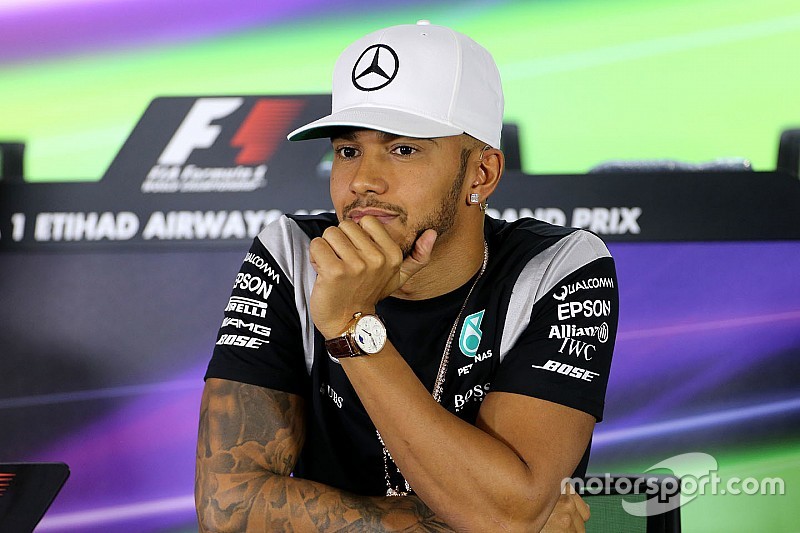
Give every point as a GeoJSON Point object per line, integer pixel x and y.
{"type": "Point", "coordinates": [409, 362]}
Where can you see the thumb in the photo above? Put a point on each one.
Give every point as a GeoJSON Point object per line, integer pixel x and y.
{"type": "Point", "coordinates": [580, 504]}
{"type": "Point", "coordinates": [419, 257]}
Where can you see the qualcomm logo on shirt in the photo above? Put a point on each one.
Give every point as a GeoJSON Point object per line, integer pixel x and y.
{"type": "Point", "coordinates": [471, 334]}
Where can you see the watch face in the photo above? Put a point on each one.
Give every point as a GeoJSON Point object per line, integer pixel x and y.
{"type": "Point", "coordinates": [370, 334]}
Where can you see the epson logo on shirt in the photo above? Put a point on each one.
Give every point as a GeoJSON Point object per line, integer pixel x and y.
{"type": "Point", "coordinates": [587, 308]}
{"type": "Point", "coordinates": [253, 284]}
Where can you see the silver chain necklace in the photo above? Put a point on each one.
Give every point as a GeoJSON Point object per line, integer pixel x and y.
{"type": "Point", "coordinates": [438, 387]}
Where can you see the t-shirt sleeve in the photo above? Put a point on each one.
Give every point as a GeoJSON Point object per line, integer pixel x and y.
{"type": "Point", "coordinates": [260, 339]}
{"type": "Point", "coordinates": [563, 354]}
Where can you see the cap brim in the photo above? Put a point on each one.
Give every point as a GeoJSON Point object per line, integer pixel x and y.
{"type": "Point", "coordinates": [375, 118]}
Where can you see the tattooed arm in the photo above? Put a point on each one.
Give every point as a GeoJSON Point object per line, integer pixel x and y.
{"type": "Point", "coordinates": [248, 443]}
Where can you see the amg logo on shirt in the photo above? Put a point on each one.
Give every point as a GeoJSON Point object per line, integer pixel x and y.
{"type": "Point", "coordinates": [258, 329]}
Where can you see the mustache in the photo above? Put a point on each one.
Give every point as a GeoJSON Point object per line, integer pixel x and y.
{"type": "Point", "coordinates": [365, 203]}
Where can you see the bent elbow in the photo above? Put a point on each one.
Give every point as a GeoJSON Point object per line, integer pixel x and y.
{"type": "Point", "coordinates": [522, 514]}
{"type": "Point", "coordinates": [524, 518]}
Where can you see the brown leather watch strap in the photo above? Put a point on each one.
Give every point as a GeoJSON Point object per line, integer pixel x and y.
{"type": "Point", "coordinates": [341, 347]}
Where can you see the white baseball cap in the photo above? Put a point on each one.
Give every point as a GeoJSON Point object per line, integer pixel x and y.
{"type": "Point", "coordinates": [415, 80]}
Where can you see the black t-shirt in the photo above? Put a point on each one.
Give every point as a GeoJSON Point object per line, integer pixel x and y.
{"type": "Point", "coordinates": [541, 322]}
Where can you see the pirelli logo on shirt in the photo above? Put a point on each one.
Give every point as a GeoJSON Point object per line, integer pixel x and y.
{"type": "Point", "coordinates": [247, 306]}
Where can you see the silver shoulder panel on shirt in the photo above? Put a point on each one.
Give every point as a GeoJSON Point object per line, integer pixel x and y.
{"type": "Point", "coordinates": [542, 274]}
{"type": "Point", "coordinates": [288, 245]}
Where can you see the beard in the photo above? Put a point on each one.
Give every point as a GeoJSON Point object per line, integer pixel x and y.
{"type": "Point", "coordinates": [441, 219]}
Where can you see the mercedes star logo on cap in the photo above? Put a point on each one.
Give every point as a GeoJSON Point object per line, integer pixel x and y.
{"type": "Point", "coordinates": [374, 71]}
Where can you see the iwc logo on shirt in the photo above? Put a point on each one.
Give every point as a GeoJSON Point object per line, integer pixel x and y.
{"type": "Point", "coordinates": [471, 334]}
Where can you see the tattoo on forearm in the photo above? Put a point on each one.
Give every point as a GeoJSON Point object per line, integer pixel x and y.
{"type": "Point", "coordinates": [248, 443]}
{"type": "Point", "coordinates": [246, 433]}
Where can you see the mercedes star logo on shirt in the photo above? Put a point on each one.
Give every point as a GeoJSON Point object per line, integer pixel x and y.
{"type": "Point", "coordinates": [375, 70]}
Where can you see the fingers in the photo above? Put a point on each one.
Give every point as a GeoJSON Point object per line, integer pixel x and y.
{"type": "Point", "coordinates": [420, 256]}
{"type": "Point", "coordinates": [580, 513]}
{"type": "Point", "coordinates": [424, 246]}
{"type": "Point", "coordinates": [322, 255]}
{"type": "Point", "coordinates": [372, 229]}
{"type": "Point", "coordinates": [577, 501]}
{"type": "Point", "coordinates": [366, 241]}
{"type": "Point", "coordinates": [366, 246]}
{"type": "Point", "coordinates": [342, 245]}
{"type": "Point", "coordinates": [569, 514]}
{"type": "Point", "coordinates": [358, 234]}
{"type": "Point", "coordinates": [583, 508]}
{"type": "Point", "coordinates": [356, 268]}
{"type": "Point", "coordinates": [577, 508]}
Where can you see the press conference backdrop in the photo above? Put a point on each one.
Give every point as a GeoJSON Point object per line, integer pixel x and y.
{"type": "Point", "coordinates": [113, 285]}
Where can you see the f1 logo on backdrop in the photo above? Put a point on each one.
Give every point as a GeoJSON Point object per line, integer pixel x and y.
{"type": "Point", "coordinates": [5, 481]}
{"type": "Point", "coordinates": [255, 141]}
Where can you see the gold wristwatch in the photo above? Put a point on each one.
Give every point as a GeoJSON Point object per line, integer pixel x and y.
{"type": "Point", "coordinates": [365, 335]}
